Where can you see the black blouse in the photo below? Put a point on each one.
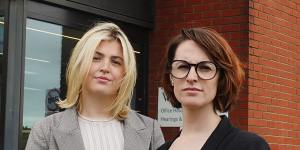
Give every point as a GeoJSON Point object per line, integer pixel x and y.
{"type": "Point", "coordinates": [227, 137]}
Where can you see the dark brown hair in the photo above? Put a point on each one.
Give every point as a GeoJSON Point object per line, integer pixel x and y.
{"type": "Point", "coordinates": [231, 73]}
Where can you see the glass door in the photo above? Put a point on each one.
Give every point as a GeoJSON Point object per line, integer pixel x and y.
{"type": "Point", "coordinates": [3, 9]}
{"type": "Point", "coordinates": [1, 51]}
{"type": "Point", "coordinates": [50, 38]}
{"type": "Point", "coordinates": [1, 73]}
{"type": "Point", "coordinates": [46, 44]}
{"type": "Point", "coordinates": [1, 34]}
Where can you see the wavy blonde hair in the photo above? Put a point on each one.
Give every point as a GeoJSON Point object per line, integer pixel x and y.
{"type": "Point", "coordinates": [80, 63]}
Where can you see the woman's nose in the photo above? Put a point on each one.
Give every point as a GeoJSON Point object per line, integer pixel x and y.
{"type": "Point", "coordinates": [192, 75]}
{"type": "Point", "coordinates": [104, 67]}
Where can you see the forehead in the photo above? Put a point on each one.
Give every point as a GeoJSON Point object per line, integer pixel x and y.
{"type": "Point", "coordinates": [110, 48]}
{"type": "Point", "coordinates": [189, 50]}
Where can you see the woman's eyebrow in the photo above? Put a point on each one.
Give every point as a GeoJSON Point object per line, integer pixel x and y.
{"type": "Point", "coordinates": [112, 57]}
{"type": "Point", "coordinates": [99, 53]}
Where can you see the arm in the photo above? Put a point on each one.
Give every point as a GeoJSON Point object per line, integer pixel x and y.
{"type": "Point", "coordinates": [37, 139]}
{"type": "Point", "coordinates": [157, 136]}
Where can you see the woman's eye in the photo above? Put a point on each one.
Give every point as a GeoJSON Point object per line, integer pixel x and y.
{"type": "Point", "coordinates": [183, 67]}
{"type": "Point", "coordinates": [96, 58]}
{"type": "Point", "coordinates": [204, 68]}
{"type": "Point", "coordinates": [116, 62]}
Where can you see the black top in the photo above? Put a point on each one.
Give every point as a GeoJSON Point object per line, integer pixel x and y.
{"type": "Point", "coordinates": [227, 137]}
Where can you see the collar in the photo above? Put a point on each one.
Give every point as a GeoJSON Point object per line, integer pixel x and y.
{"type": "Point", "coordinates": [137, 135]}
{"type": "Point", "coordinates": [214, 140]}
{"type": "Point", "coordinates": [222, 130]}
{"type": "Point", "coordinates": [134, 121]}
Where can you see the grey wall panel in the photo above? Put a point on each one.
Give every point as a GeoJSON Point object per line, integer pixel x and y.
{"type": "Point", "coordinates": [139, 12]}
{"type": "Point", "coordinates": [139, 9]}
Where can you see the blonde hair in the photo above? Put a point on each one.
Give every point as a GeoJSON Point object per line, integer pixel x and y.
{"type": "Point", "coordinates": [80, 63]}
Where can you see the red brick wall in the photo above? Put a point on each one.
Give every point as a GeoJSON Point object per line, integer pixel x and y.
{"type": "Point", "coordinates": [229, 17]}
{"type": "Point", "coordinates": [274, 72]}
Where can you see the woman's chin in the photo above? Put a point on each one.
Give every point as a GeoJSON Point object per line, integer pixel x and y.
{"type": "Point", "coordinates": [193, 104]}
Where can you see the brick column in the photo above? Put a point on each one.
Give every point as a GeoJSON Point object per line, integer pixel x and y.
{"type": "Point", "coordinates": [274, 72]}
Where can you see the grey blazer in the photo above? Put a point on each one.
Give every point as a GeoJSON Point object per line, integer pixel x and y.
{"type": "Point", "coordinates": [61, 131]}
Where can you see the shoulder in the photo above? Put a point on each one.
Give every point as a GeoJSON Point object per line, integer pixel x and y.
{"type": "Point", "coordinates": [149, 126]}
{"type": "Point", "coordinates": [46, 124]}
{"type": "Point", "coordinates": [145, 119]}
{"type": "Point", "coordinates": [51, 120]}
{"type": "Point", "coordinates": [248, 141]}
{"type": "Point", "coordinates": [251, 138]}
{"type": "Point", "coordinates": [236, 139]}
{"type": "Point", "coordinates": [139, 121]}
{"type": "Point", "coordinates": [41, 132]}
{"type": "Point", "coordinates": [248, 136]}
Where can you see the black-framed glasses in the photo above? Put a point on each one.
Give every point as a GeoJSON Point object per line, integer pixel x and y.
{"type": "Point", "coordinates": [205, 70]}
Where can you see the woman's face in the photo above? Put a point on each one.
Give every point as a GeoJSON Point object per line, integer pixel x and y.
{"type": "Point", "coordinates": [192, 91]}
{"type": "Point", "coordinates": [107, 69]}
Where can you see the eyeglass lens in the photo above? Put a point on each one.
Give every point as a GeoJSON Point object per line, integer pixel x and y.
{"type": "Point", "coordinates": [205, 70]}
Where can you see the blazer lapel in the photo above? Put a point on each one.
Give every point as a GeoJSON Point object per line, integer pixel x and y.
{"type": "Point", "coordinates": [136, 135]}
{"type": "Point", "coordinates": [67, 134]}
{"type": "Point", "coordinates": [218, 135]}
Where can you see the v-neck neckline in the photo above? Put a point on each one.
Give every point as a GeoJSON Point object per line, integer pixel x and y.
{"type": "Point", "coordinates": [214, 140]}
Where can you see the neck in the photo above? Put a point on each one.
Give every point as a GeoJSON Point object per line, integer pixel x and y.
{"type": "Point", "coordinates": [95, 106]}
{"type": "Point", "coordinates": [199, 121]}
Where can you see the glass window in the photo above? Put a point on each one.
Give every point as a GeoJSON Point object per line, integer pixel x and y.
{"type": "Point", "coordinates": [1, 57]}
{"type": "Point", "coordinates": [2, 63]}
{"type": "Point", "coordinates": [1, 74]}
{"type": "Point", "coordinates": [1, 35]}
{"type": "Point", "coordinates": [47, 50]}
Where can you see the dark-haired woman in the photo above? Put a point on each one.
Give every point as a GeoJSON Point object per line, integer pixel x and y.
{"type": "Point", "coordinates": [203, 76]}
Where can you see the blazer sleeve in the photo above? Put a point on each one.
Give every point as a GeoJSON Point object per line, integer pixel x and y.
{"type": "Point", "coordinates": [157, 136]}
{"type": "Point", "coordinates": [37, 138]}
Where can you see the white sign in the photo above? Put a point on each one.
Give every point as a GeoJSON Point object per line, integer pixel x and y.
{"type": "Point", "coordinates": [168, 116]}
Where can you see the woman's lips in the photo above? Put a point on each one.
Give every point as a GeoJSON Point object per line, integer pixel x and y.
{"type": "Point", "coordinates": [192, 89]}
{"type": "Point", "coordinates": [102, 79]}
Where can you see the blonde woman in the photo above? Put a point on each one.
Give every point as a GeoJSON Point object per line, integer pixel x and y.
{"type": "Point", "coordinates": [101, 76]}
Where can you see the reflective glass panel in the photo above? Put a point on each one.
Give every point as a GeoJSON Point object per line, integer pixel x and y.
{"type": "Point", "coordinates": [46, 54]}
{"type": "Point", "coordinates": [1, 35]}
